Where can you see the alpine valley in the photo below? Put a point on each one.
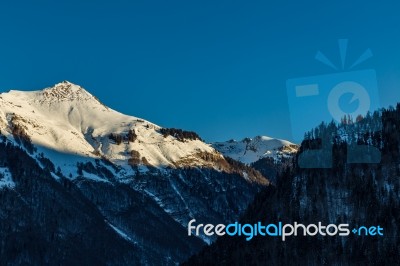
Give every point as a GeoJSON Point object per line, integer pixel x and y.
{"type": "Point", "coordinates": [82, 184]}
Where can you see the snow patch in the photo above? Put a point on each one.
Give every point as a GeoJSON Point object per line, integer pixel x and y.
{"type": "Point", "coordinates": [121, 233]}
{"type": "Point", "coordinates": [6, 178]}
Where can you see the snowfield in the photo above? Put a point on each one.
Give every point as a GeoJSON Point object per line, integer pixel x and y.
{"type": "Point", "coordinates": [6, 178]}
{"type": "Point", "coordinates": [68, 119]}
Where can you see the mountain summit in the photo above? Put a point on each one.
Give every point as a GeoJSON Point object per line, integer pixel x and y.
{"type": "Point", "coordinates": [68, 119]}
{"type": "Point", "coordinates": [250, 150]}
{"type": "Point", "coordinates": [66, 91]}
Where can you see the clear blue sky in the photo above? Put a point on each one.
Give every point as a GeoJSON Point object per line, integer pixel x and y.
{"type": "Point", "coordinates": [216, 67]}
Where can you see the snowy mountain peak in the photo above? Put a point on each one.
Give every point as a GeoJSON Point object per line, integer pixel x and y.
{"type": "Point", "coordinates": [65, 91]}
{"type": "Point", "coordinates": [68, 120]}
{"type": "Point", "coordinates": [65, 87]}
{"type": "Point", "coordinates": [59, 93]}
{"type": "Point", "coordinates": [250, 150]}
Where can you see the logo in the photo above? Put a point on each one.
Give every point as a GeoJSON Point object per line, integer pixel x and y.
{"type": "Point", "coordinates": [344, 94]}
{"type": "Point", "coordinates": [280, 230]}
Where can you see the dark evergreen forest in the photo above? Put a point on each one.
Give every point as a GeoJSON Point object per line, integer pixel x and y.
{"type": "Point", "coordinates": [354, 193]}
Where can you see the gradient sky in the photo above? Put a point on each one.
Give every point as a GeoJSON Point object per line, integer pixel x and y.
{"type": "Point", "coordinates": [216, 67]}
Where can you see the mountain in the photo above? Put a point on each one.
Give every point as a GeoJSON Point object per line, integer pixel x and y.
{"type": "Point", "coordinates": [361, 194]}
{"type": "Point", "coordinates": [250, 150]}
{"type": "Point", "coordinates": [264, 154]}
{"type": "Point", "coordinates": [79, 179]}
{"type": "Point", "coordinates": [67, 119]}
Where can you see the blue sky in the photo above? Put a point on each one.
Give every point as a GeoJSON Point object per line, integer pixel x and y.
{"type": "Point", "coordinates": [216, 67]}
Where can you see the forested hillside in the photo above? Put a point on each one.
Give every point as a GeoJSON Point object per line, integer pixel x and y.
{"type": "Point", "coordinates": [354, 193]}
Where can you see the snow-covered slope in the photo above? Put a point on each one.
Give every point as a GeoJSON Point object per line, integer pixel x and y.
{"type": "Point", "coordinates": [69, 120]}
{"type": "Point", "coordinates": [251, 150]}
